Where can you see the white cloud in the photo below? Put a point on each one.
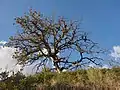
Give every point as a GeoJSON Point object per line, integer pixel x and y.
{"type": "Point", "coordinates": [7, 62]}
{"type": "Point", "coordinates": [116, 52]}
{"type": "Point", "coordinates": [3, 42]}
{"type": "Point", "coordinates": [106, 66]}
{"type": "Point", "coordinates": [92, 65]}
{"type": "Point", "coordinates": [97, 66]}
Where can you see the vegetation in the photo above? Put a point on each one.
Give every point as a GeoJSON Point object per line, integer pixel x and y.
{"type": "Point", "coordinates": [80, 78]}
{"type": "Point", "coordinates": [42, 40]}
{"type": "Point", "coordinates": [61, 42]}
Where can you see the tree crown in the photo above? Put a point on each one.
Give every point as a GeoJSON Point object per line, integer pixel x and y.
{"type": "Point", "coordinates": [44, 40]}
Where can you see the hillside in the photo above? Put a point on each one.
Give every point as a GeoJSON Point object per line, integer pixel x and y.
{"type": "Point", "coordinates": [85, 79]}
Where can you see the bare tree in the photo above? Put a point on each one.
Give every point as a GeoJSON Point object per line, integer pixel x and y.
{"type": "Point", "coordinates": [41, 39]}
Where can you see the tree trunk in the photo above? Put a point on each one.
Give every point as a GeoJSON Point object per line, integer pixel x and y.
{"type": "Point", "coordinates": [58, 69]}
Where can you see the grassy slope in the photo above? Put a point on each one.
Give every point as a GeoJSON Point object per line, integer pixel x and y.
{"type": "Point", "coordinates": [81, 78]}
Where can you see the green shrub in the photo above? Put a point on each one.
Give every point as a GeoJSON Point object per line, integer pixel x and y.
{"type": "Point", "coordinates": [93, 77]}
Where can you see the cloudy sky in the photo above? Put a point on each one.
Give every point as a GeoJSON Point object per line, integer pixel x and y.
{"type": "Point", "coordinates": [101, 19]}
{"type": "Point", "coordinates": [8, 63]}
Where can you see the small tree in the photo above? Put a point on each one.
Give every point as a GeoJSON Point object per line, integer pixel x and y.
{"type": "Point", "coordinates": [43, 39]}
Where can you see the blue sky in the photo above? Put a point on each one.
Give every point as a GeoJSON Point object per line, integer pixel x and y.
{"type": "Point", "coordinates": [101, 18]}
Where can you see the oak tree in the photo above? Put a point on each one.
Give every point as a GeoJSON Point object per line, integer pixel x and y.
{"type": "Point", "coordinates": [42, 39]}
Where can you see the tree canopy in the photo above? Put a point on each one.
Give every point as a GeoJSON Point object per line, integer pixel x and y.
{"type": "Point", "coordinates": [42, 40]}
